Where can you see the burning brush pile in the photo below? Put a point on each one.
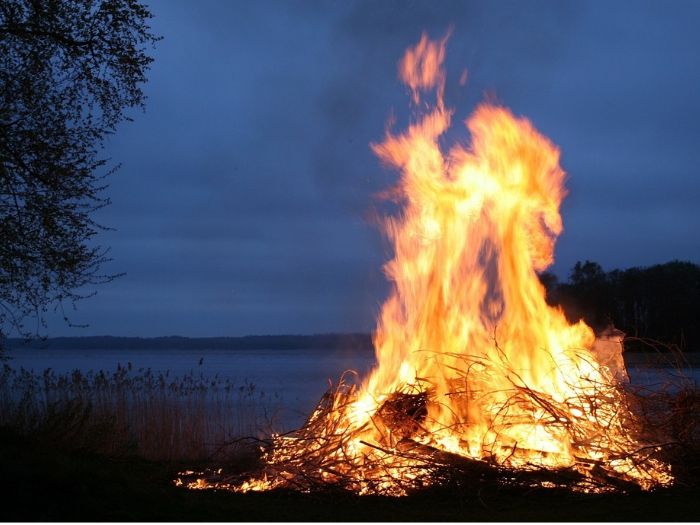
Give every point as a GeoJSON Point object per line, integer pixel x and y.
{"type": "Point", "coordinates": [478, 378]}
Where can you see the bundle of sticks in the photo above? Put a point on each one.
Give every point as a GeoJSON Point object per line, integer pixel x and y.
{"type": "Point", "coordinates": [327, 454]}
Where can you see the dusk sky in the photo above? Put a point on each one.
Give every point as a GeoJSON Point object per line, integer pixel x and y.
{"type": "Point", "coordinates": [244, 199]}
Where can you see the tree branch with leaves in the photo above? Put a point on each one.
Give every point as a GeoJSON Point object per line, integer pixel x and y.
{"type": "Point", "coordinates": [69, 72]}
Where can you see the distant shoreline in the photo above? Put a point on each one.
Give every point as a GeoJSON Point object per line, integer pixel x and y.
{"type": "Point", "coordinates": [352, 341]}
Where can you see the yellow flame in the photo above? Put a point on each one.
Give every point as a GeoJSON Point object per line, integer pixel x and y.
{"type": "Point", "coordinates": [467, 315]}
{"type": "Point", "coordinates": [466, 334]}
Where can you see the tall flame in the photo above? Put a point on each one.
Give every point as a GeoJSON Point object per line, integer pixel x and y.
{"type": "Point", "coordinates": [472, 361]}
{"type": "Point", "coordinates": [467, 316]}
{"type": "Point", "coordinates": [467, 305]}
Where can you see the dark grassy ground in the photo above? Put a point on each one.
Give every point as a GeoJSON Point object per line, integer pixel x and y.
{"type": "Point", "coordinates": [40, 482]}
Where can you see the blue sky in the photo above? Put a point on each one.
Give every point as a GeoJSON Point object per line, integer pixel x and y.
{"type": "Point", "coordinates": [244, 199]}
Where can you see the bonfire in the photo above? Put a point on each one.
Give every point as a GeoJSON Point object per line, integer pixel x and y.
{"type": "Point", "coordinates": [477, 377]}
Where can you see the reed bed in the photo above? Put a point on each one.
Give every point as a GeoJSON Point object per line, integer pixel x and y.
{"type": "Point", "coordinates": [190, 418]}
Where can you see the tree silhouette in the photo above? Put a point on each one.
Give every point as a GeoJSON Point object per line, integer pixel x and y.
{"type": "Point", "coordinates": [660, 302]}
{"type": "Point", "coordinates": [68, 72]}
{"type": "Point", "coordinates": [585, 295]}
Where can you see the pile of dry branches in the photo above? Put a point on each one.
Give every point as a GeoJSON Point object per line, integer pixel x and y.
{"type": "Point", "coordinates": [650, 433]}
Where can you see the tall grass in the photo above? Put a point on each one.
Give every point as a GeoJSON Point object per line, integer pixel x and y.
{"type": "Point", "coordinates": [153, 415]}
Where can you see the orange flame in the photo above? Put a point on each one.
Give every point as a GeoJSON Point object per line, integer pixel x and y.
{"type": "Point", "coordinates": [477, 224]}
{"type": "Point", "coordinates": [421, 67]}
{"type": "Point", "coordinates": [467, 315]}
{"type": "Point", "coordinates": [498, 374]}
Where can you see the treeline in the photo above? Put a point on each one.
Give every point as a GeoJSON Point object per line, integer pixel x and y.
{"type": "Point", "coordinates": [660, 302]}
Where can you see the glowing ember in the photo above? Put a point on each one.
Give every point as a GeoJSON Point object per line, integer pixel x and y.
{"type": "Point", "coordinates": [474, 368]}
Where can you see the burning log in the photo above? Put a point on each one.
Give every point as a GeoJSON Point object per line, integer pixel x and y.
{"type": "Point", "coordinates": [403, 413]}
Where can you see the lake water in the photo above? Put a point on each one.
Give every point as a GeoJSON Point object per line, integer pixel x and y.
{"type": "Point", "coordinates": [295, 379]}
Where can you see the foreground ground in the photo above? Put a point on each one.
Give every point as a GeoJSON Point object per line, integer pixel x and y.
{"type": "Point", "coordinates": [42, 483]}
